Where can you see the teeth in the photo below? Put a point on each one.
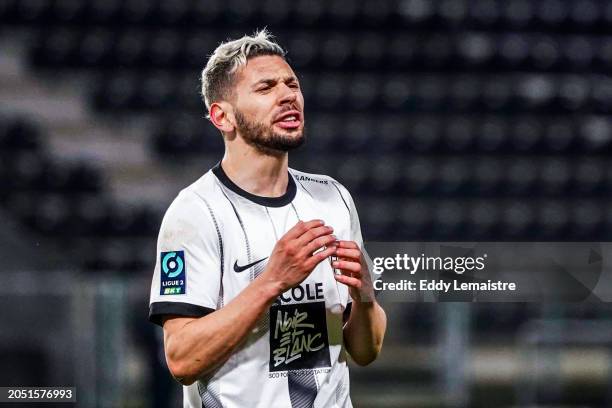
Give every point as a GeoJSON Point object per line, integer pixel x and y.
{"type": "Point", "coordinates": [289, 118]}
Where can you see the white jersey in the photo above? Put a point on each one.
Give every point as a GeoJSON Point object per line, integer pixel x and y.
{"type": "Point", "coordinates": [214, 240]}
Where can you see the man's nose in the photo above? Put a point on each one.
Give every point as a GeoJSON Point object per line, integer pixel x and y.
{"type": "Point", "coordinates": [288, 95]}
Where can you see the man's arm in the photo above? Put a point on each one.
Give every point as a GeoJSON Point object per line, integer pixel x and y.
{"type": "Point", "coordinates": [365, 329]}
{"type": "Point", "coordinates": [197, 346]}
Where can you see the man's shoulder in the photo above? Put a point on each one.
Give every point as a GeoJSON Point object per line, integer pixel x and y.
{"type": "Point", "coordinates": [321, 186]}
{"type": "Point", "coordinates": [205, 185]}
{"type": "Point", "coordinates": [201, 192]}
{"type": "Point", "coordinates": [321, 179]}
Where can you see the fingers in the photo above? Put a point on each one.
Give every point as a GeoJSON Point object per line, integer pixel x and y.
{"type": "Point", "coordinates": [348, 268]}
{"type": "Point", "coordinates": [305, 238]}
{"type": "Point", "coordinates": [348, 244]}
{"type": "Point", "coordinates": [349, 281]}
{"type": "Point", "coordinates": [348, 253]}
{"type": "Point", "coordinates": [301, 227]}
{"type": "Point", "coordinates": [315, 259]}
{"type": "Point", "coordinates": [318, 243]}
{"type": "Point", "coordinates": [313, 234]}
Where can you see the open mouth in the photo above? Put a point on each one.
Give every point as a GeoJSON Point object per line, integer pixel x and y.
{"type": "Point", "coordinates": [289, 120]}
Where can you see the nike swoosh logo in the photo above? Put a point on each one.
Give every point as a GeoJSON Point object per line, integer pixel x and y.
{"type": "Point", "coordinates": [245, 267]}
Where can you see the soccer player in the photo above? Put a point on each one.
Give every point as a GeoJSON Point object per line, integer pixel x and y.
{"type": "Point", "coordinates": [261, 283]}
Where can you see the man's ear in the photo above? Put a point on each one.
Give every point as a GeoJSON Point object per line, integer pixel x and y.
{"type": "Point", "coordinates": [222, 117]}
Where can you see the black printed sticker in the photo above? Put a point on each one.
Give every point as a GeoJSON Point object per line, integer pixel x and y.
{"type": "Point", "coordinates": [298, 337]}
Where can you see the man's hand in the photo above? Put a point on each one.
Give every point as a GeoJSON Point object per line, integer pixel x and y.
{"type": "Point", "coordinates": [353, 271]}
{"type": "Point", "coordinates": [365, 329]}
{"type": "Point", "coordinates": [292, 258]}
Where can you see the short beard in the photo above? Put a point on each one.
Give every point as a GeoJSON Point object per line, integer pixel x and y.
{"type": "Point", "coordinates": [265, 139]}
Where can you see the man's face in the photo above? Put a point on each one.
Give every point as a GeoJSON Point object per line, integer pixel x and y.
{"type": "Point", "coordinates": [269, 105]}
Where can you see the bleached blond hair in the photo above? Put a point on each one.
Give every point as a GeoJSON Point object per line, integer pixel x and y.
{"type": "Point", "coordinates": [219, 73]}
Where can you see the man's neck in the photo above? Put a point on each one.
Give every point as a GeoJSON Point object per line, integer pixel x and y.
{"type": "Point", "coordinates": [257, 173]}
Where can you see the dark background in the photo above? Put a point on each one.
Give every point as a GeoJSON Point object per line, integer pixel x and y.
{"type": "Point", "coordinates": [448, 120]}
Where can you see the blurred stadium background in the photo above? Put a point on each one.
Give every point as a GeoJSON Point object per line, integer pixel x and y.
{"type": "Point", "coordinates": [448, 120]}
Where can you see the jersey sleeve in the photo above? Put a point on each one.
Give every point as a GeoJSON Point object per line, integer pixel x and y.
{"type": "Point", "coordinates": [187, 275]}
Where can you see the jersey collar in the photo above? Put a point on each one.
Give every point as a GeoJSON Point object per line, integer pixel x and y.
{"type": "Point", "coordinates": [265, 201]}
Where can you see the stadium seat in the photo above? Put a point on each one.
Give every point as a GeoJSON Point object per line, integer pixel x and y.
{"type": "Point", "coordinates": [467, 101]}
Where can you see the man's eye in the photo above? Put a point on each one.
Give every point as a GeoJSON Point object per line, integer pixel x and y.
{"type": "Point", "coordinates": [294, 86]}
